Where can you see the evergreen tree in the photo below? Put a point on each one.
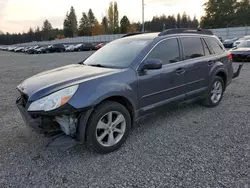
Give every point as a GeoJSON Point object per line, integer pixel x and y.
{"type": "Point", "coordinates": [125, 24]}
{"type": "Point", "coordinates": [111, 18]}
{"type": "Point", "coordinates": [105, 24]}
{"type": "Point", "coordinates": [84, 27]}
{"type": "Point", "coordinates": [116, 18]}
{"type": "Point", "coordinates": [70, 23]}
{"type": "Point", "coordinates": [178, 21]}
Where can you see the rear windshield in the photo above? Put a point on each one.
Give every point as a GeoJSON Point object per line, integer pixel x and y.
{"type": "Point", "coordinates": [117, 54]}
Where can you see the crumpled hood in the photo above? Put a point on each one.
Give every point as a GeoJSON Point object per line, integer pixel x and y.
{"type": "Point", "coordinates": [59, 78]}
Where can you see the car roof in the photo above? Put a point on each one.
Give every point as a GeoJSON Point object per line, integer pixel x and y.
{"type": "Point", "coordinates": [143, 36]}
{"type": "Point", "coordinates": [170, 33]}
{"type": "Point", "coordinates": [152, 36]}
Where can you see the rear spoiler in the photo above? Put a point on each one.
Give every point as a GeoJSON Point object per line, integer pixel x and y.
{"type": "Point", "coordinates": [237, 73]}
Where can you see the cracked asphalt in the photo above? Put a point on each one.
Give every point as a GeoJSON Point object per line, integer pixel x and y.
{"type": "Point", "coordinates": [183, 146]}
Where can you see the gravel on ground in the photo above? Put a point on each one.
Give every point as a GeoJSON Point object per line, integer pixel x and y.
{"type": "Point", "coordinates": [184, 146]}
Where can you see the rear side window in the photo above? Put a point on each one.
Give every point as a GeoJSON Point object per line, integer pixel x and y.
{"type": "Point", "coordinates": [214, 46]}
{"type": "Point", "coordinates": [167, 51]}
{"type": "Point", "coordinates": [192, 47]}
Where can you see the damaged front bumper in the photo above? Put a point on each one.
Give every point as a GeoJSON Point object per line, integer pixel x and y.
{"type": "Point", "coordinates": [52, 123]}
{"type": "Point", "coordinates": [43, 125]}
{"type": "Point", "coordinates": [61, 128]}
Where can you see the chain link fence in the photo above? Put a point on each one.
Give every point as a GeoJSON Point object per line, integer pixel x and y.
{"type": "Point", "coordinates": [76, 40]}
{"type": "Point", "coordinates": [224, 33]}
{"type": "Point", "coordinates": [231, 32]}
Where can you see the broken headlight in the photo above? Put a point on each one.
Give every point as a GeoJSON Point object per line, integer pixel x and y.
{"type": "Point", "coordinates": [53, 100]}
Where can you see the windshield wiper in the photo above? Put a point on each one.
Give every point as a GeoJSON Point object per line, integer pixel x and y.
{"type": "Point", "coordinates": [97, 65]}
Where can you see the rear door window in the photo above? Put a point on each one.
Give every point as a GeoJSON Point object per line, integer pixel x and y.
{"type": "Point", "coordinates": [167, 51]}
{"type": "Point", "coordinates": [192, 47]}
{"type": "Point", "coordinates": [214, 46]}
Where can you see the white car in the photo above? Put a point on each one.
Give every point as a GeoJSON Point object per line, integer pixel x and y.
{"type": "Point", "coordinates": [237, 42]}
{"type": "Point", "coordinates": [70, 48]}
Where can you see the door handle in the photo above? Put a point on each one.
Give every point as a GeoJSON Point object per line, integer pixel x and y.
{"type": "Point", "coordinates": [180, 71]}
{"type": "Point", "coordinates": [210, 63]}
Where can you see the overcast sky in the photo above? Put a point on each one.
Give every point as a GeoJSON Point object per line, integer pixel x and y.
{"type": "Point", "coordinates": [19, 15]}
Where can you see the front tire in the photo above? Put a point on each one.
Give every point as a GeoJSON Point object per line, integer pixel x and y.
{"type": "Point", "coordinates": [215, 92]}
{"type": "Point", "coordinates": [108, 127]}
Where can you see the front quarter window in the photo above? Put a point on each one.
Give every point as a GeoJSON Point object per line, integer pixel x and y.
{"type": "Point", "coordinates": [117, 54]}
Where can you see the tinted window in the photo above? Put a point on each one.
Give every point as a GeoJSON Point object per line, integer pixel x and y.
{"type": "Point", "coordinates": [192, 47]}
{"type": "Point", "coordinates": [167, 51]}
{"type": "Point", "coordinates": [215, 47]}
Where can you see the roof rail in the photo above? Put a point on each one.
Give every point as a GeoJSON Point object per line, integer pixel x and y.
{"type": "Point", "coordinates": [186, 30]}
{"type": "Point", "coordinates": [131, 34]}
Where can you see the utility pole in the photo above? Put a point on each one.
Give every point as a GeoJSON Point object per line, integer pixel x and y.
{"type": "Point", "coordinates": [143, 29]}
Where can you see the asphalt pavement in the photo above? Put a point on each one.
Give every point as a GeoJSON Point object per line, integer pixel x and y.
{"type": "Point", "coordinates": [185, 146]}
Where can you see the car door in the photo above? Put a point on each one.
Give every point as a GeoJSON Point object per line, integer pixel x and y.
{"type": "Point", "coordinates": [195, 58]}
{"type": "Point", "coordinates": [158, 87]}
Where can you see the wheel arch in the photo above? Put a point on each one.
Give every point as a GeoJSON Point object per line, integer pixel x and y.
{"type": "Point", "coordinates": [84, 117]}
{"type": "Point", "coordinates": [223, 75]}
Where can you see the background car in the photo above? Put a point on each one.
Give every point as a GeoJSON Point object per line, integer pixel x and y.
{"type": "Point", "coordinates": [12, 48]}
{"type": "Point", "coordinates": [56, 48]}
{"type": "Point", "coordinates": [240, 40]}
{"type": "Point", "coordinates": [39, 50]}
{"type": "Point", "coordinates": [70, 48]}
{"type": "Point", "coordinates": [19, 49]}
{"type": "Point", "coordinates": [32, 49]}
{"type": "Point", "coordinates": [27, 49]}
{"type": "Point", "coordinates": [228, 43]}
{"type": "Point", "coordinates": [241, 53]}
{"type": "Point", "coordinates": [98, 46]}
{"type": "Point", "coordinates": [84, 46]}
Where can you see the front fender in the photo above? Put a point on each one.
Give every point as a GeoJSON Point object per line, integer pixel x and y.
{"type": "Point", "coordinates": [93, 92]}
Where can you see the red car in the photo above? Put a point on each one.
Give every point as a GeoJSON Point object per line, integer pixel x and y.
{"type": "Point", "coordinates": [98, 46]}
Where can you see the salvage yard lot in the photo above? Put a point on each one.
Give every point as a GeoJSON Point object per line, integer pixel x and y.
{"type": "Point", "coordinates": [186, 146]}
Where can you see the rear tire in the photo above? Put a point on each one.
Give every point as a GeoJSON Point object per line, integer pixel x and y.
{"type": "Point", "coordinates": [108, 127]}
{"type": "Point", "coordinates": [215, 92]}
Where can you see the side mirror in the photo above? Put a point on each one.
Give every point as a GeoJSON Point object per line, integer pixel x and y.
{"type": "Point", "coordinates": [151, 64]}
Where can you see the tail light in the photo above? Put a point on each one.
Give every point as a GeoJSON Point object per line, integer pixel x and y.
{"type": "Point", "coordinates": [230, 57]}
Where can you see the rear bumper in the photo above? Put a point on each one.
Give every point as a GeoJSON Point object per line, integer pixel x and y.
{"type": "Point", "coordinates": [241, 58]}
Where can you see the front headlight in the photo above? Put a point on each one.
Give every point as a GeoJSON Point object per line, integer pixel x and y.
{"type": "Point", "coordinates": [53, 100]}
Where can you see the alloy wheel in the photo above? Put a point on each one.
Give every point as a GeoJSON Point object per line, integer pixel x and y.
{"type": "Point", "coordinates": [110, 128]}
{"type": "Point", "coordinates": [216, 92]}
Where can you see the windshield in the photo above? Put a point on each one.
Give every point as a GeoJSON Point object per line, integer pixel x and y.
{"type": "Point", "coordinates": [244, 44]}
{"type": "Point", "coordinates": [117, 54]}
